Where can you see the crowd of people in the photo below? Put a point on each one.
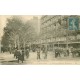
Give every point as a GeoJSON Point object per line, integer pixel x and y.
{"type": "Point", "coordinates": [19, 54]}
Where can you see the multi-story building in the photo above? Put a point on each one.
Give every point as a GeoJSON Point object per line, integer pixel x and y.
{"type": "Point", "coordinates": [54, 31]}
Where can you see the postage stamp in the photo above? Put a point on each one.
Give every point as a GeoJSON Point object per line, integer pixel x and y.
{"type": "Point", "coordinates": [73, 23]}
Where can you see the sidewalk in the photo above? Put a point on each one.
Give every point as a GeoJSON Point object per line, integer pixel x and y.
{"type": "Point", "coordinates": [8, 59]}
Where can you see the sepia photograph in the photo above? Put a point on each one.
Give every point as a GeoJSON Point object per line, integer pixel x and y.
{"type": "Point", "coordinates": [39, 39]}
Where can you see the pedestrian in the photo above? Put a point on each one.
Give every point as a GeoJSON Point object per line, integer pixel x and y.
{"type": "Point", "coordinates": [56, 53]}
{"type": "Point", "coordinates": [15, 53]}
{"type": "Point", "coordinates": [27, 53]}
{"type": "Point", "coordinates": [21, 55]}
{"type": "Point", "coordinates": [73, 52]}
{"type": "Point", "coordinates": [10, 50]}
{"type": "Point", "coordinates": [45, 52]}
{"type": "Point", "coordinates": [38, 53]}
{"type": "Point", "coordinates": [67, 52]}
{"type": "Point", "coordinates": [19, 52]}
{"type": "Point", "coordinates": [43, 49]}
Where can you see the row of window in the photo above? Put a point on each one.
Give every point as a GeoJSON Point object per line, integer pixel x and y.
{"type": "Point", "coordinates": [52, 21]}
{"type": "Point", "coordinates": [59, 38]}
{"type": "Point", "coordinates": [50, 28]}
{"type": "Point", "coordinates": [49, 18]}
{"type": "Point", "coordinates": [53, 39]}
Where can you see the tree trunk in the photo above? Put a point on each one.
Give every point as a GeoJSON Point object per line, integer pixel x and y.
{"type": "Point", "coordinates": [24, 45]}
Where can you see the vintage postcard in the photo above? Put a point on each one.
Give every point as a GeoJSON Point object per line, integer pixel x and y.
{"type": "Point", "coordinates": [39, 39]}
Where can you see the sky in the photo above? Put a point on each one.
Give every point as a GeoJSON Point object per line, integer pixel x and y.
{"type": "Point", "coordinates": [3, 21]}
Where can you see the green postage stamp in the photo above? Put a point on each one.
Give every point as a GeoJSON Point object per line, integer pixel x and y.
{"type": "Point", "coordinates": [73, 23]}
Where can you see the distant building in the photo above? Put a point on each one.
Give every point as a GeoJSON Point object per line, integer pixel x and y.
{"type": "Point", "coordinates": [33, 31]}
